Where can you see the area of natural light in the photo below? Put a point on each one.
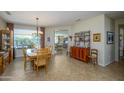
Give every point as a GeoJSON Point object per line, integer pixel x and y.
{"type": "Point", "coordinates": [25, 38]}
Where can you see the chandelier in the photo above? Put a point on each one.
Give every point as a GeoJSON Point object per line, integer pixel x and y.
{"type": "Point", "coordinates": [37, 27]}
{"type": "Point", "coordinates": [38, 33]}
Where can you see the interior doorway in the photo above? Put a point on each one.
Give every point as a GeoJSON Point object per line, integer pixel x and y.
{"type": "Point", "coordinates": [61, 42]}
{"type": "Point", "coordinates": [121, 42]}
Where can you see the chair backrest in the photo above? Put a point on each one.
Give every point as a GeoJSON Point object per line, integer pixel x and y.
{"type": "Point", "coordinates": [24, 54]}
{"type": "Point", "coordinates": [94, 52]}
{"type": "Point", "coordinates": [47, 49]}
{"type": "Point", "coordinates": [50, 49]}
{"type": "Point", "coordinates": [44, 50]}
{"type": "Point", "coordinates": [42, 58]}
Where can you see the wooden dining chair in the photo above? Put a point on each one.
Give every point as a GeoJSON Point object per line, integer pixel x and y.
{"type": "Point", "coordinates": [94, 56]}
{"type": "Point", "coordinates": [50, 48]}
{"type": "Point", "coordinates": [50, 52]}
{"type": "Point", "coordinates": [25, 58]}
{"type": "Point", "coordinates": [43, 49]}
{"type": "Point", "coordinates": [47, 50]}
{"type": "Point", "coordinates": [41, 60]}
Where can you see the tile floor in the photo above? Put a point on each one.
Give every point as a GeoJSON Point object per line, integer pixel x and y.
{"type": "Point", "coordinates": [64, 68]}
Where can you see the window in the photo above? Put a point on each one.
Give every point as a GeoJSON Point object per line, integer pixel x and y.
{"type": "Point", "coordinates": [25, 38]}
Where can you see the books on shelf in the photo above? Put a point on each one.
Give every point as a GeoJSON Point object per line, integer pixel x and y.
{"type": "Point", "coordinates": [82, 39]}
{"type": "Point", "coordinates": [5, 40]}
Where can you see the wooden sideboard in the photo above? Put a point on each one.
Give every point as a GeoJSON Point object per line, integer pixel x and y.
{"type": "Point", "coordinates": [80, 53]}
{"type": "Point", "coordinates": [4, 59]}
{"type": "Point", "coordinates": [1, 64]}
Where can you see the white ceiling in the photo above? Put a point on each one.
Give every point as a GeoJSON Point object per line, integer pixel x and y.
{"type": "Point", "coordinates": [53, 18]}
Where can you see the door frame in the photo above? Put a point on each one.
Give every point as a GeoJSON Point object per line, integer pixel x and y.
{"type": "Point", "coordinates": [55, 35]}
{"type": "Point", "coordinates": [119, 26]}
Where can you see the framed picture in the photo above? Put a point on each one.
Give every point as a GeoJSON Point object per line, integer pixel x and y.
{"type": "Point", "coordinates": [110, 37]}
{"type": "Point", "coordinates": [48, 39]}
{"type": "Point", "coordinates": [97, 37]}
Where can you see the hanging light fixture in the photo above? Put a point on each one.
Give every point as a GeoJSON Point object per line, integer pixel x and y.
{"type": "Point", "coordinates": [38, 31]}
{"type": "Point", "coordinates": [37, 25]}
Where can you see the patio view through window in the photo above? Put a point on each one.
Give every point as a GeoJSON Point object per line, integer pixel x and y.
{"type": "Point", "coordinates": [25, 38]}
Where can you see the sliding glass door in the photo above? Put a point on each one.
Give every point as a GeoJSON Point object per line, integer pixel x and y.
{"type": "Point", "coordinates": [25, 38]}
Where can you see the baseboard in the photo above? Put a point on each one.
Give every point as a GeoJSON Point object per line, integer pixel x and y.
{"type": "Point", "coordinates": [110, 63]}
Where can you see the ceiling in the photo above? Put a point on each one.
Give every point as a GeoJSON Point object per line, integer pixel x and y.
{"type": "Point", "coordinates": [53, 18]}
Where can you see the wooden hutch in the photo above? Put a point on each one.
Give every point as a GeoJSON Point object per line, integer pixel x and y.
{"type": "Point", "coordinates": [6, 50]}
{"type": "Point", "coordinates": [81, 48]}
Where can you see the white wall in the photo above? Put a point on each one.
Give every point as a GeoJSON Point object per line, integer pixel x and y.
{"type": "Point", "coordinates": [18, 53]}
{"type": "Point", "coordinates": [99, 24]}
{"type": "Point", "coordinates": [49, 32]}
{"type": "Point", "coordinates": [95, 25]}
{"type": "Point", "coordinates": [109, 48]}
{"type": "Point", "coordinates": [2, 24]}
{"type": "Point", "coordinates": [117, 22]}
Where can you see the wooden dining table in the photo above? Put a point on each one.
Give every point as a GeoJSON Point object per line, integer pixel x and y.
{"type": "Point", "coordinates": [32, 53]}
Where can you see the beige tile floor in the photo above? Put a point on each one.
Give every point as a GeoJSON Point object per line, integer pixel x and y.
{"type": "Point", "coordinates": [64, 68]}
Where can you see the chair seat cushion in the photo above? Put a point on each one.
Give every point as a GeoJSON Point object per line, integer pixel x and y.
{"type": "Point", "coordinates": [92, 57]}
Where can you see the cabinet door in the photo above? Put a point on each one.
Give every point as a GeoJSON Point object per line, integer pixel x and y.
{"type": "Point", "coordinates": [81, 53]}
{"type": "Point", "coordinates": [78, 53]}
{"type": "Point", "coordinates": [86, 54]}
{"type": "Point", "coordinates": [74, 50]}
{"type": "Point", "coordinates": [1, 64]}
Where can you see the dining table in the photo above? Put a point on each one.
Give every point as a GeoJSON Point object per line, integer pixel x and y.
{"type": "Point", "coordinates": [32, 53]}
